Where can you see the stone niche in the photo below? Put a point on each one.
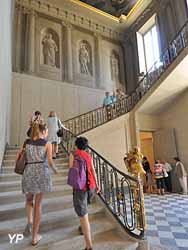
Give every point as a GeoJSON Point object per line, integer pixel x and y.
{"type": "Point", "coordinates": [49, 49]}
{"type": "Point", "coordinates": [112, 66]}
{"type": "Point", "coordinates": [83, 47]}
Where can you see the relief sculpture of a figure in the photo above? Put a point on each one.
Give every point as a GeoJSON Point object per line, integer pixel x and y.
{"type": "Point", "coordinates": [49, 50]}
{"type": "Point", "coordinates": [84, 59]}
{"type": "Point", "coordinates": [115, 74]}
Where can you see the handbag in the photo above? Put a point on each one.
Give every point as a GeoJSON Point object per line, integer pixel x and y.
{"type": "Point", "coordinates": [20, 163]}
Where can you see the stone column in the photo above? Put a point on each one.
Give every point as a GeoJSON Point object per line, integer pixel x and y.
{"type": "Point", "coordinates": [31, 42]}
{"type": "Point", "coordinates": [69, 66]}
{"type": "Point", "coordinates": [98, 59]}
{"type": "Point", "coordinates": [18, 37]}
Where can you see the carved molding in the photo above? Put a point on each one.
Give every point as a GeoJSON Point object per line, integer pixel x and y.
{"type": "Point", "coordinates": [67, 17]}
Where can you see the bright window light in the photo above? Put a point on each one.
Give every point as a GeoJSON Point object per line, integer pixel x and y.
{"type": "Point", "coordinates": [148, 47]}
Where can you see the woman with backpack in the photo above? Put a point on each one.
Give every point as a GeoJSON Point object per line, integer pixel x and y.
{"type": "Point", "coordinates": [81, 197]}
{"type": "Point", "coordinates": [159, 176]}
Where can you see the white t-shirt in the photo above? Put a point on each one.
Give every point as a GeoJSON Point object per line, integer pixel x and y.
{"type": "Point", "coordinates": [167, 167]}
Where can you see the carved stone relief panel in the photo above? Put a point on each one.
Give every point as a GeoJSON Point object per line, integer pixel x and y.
{"type": "Point", "coordinates": [115, 66]}
{"type": "Point", "coordinates": [49, 49]}
{"type": "Point", "coordinates": [83, 45]}
{"type": "Point", "coordinates": [85, 58]}
{"type": "Point", "coordinates": [112, 66]}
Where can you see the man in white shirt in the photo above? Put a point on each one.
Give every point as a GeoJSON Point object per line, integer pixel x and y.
{"type": "Point", "coordinates": [167, 179]}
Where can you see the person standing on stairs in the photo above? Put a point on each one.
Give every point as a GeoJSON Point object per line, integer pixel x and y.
{"type": "Point", "coordinates": [81, 198]}
{"type": "Point", "coordinates": [36, 178]}
{"type": "Point", "coordinates": [54, 124]}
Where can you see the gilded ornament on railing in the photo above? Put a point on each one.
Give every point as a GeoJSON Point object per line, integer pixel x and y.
{"type": "Point", "coordinates": [133, 162]}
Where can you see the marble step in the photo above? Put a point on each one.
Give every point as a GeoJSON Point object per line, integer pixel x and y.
{"type": "Point", "coordinates": [50, 204]}
{"type": "Point", "coordinates": [13, 156]}
{"type": "Point", "coordinates": [17, 196]}
{"type": "Point", "coordinates": [13, 176]}
{"type": "Point", "coordinates": [65, 234]}
{"type": "Point", "coordinates": [52, 220]}
{"type": "Point", "coordinates": [11, 163]}
{"type": "Point", "coordinates": [105, 240]}
{"type": "Point", "coordinates": [16, 185]}
{"type": "Point", "coordinates": [9, 170]}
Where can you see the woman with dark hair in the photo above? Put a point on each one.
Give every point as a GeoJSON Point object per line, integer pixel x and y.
{"type": "Point", "coordinates": [80, 197]}
{"type": "Point", "coordinates": [181, 174]}
{"type": "Point", "coordinates": [36, 178]}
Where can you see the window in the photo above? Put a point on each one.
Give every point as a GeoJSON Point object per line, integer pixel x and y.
{"type": "Point", "coordinates": [148, 46]}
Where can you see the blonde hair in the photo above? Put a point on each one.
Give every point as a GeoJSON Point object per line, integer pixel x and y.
{"type": "Point", "coordinates": [37, 128]}
{"type": "Point", "coordinates": [52, 114]}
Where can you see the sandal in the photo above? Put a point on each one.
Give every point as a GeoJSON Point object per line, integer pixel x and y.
{"type": "Point", "coordinates": [38, 239]}
{"type": "Point", "coordinates": [28, 230]}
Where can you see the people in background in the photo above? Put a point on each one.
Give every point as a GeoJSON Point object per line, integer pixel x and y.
{"type": "Point", "coordinates": [36, 178]}
{"type": "Point", "coordinates": [147, 169]}
{"type": "Point", "coordinates": [120, 95]}
{"type": "Point", "coordinates": [159, 177]}
{"type": "Point", "coordinates": [53, 126]}
{"type": "Point", "coordinates": [35, 118]}
{"type": "Point", "coordinates": [167, 179]}
{"type": "Point", "coordinates": [107, 100]}
{"type": "Point", "coordinates": [81, 197]}
{"type": "Point", "coordinates": [181, 174]}
{"type": "Point", "coordinates": [107, 103]}
{"type": "Point", "coordinates": [113, 97]}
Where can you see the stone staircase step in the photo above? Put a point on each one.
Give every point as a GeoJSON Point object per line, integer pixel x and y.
{"type": "Point", "coordinates": [17, 196]}
{"type": "Point", "coordinates": [51, 220]}
{"type": "Point", "coordinates": [65, 234]}
{"type": "Point", "coordinates": [17, 210]}
{"type": "Point", "coordinates": [9, 163]}
{"type": "Point", "coordinates": [10, 169]}
{"type": "Point", "coordinates": [13, 176]}
{"type": "Point", "coordinates": [16, 185]}
{"type": "Point", "coordinates": [107, 240]}
{"type": "Point", "coordinates": [13, 156]}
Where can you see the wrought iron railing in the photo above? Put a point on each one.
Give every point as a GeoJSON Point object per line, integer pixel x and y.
{"type": "Point", "coordinates": [99, 116]}
{"type": "Point", "coordinates": [121, 193]}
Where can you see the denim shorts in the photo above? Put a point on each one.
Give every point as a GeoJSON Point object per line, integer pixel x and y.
{"type": "Point", "coordinates": [81, 199]}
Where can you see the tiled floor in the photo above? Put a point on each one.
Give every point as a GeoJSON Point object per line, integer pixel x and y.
{"type": "Point", "coordinates": [167, 220]}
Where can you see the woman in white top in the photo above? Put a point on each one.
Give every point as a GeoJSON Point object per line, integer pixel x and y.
{"type": "Point", "coordinates": [53, 126]}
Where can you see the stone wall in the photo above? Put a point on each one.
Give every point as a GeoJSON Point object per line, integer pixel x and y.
{"type": "Point", "coordinates": [5, 73]}
{"type": "Point", "coordinates": [170, 16]}
{"type": "Point", "coordinates": [57, 44]}
{"type": "Point", "coordinates": [32, 93]}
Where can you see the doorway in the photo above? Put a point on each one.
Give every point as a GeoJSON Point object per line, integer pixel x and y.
{"type": "Point", "coordinates": [146, 146]}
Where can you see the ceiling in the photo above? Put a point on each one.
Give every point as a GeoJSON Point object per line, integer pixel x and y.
{"type": "Point", "coordinates": [113, 7]}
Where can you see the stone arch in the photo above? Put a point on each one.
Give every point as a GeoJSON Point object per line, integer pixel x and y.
{"type": "Point", "coordinates": [49, 49]}
{"type": "Point", "coordinates": [85, 58]}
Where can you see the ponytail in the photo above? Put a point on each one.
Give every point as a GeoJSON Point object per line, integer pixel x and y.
{"type": "Point", "coordinates": [37, 128]}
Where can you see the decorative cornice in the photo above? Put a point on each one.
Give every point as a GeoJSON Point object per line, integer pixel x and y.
{"type": "Point", "coordinates": [147, 13]}
{"type": "Point", "coordinates": [66, 16]}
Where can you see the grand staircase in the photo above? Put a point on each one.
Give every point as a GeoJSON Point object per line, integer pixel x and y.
{"type": "Point", "coordinates": [120, 201]}
{"type": "Point", "coordinates": [59, 226]}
